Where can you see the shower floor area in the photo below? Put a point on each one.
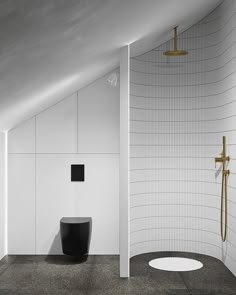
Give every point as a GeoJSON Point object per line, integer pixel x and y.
{"type": "Point", "coordinates": [99, 275]}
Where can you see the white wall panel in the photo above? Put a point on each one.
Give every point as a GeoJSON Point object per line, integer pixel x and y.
{"type": "Point", "coordinates": [55, 133]}
{"type": "Point", "coordinates": [58, 197]}
{"type": "Point", "coordinates": [98, 117]}
{"type": "Point", "coordinates": [21, 204]}
{"type": "Point", "coordinates": [99, 198]}
{"type": "Point", "coordinates": [56, 128]}
{"type": "Point", "coordinates": [21, 139]}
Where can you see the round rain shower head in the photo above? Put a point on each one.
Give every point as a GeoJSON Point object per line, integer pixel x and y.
{"type": "Point", "coordinates": [175, 51]}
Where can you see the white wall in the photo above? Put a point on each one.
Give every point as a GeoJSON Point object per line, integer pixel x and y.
{"type": "Point", "coordinates": [2, 197]}
{"type": "Point", "coordinates": [83, 129]}
{"type": "Point", "coordinates": [179, 110]}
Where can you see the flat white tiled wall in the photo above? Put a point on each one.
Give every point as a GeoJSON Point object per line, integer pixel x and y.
{"type": "Point", "coordinates": [179, 110]}
{"type": "Point", "coordinates": [81, 129]}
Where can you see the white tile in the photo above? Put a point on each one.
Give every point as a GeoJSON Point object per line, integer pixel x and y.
{"type": "Point", "coordinates": [21, 139]}
{"type": "Point", "coordinates": [98, 118]}
{"type": "Point", "coordinates": [179, 112]}
{"type": "Point", "coordinates": [21, 204]}
{"type": "Point", "coordinates": [56, 128]}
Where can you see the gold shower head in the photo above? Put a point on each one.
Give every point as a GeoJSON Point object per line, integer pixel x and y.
{"type": "Point", "coordinates": [175, 51]}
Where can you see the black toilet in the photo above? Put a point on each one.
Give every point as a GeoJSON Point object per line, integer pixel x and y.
{"type": "Point", "coordinates": [76, 235]}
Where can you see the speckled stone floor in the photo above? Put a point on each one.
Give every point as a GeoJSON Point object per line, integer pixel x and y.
{"type": "Point", "coordinates": [99, 275]}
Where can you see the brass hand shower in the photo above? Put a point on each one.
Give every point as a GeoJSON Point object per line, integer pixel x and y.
{"type": "Point", "coordinates": [225, 173]}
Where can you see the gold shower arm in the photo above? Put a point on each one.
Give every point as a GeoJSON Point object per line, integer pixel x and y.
{"type": "Point", "coordinates": [175, 39]}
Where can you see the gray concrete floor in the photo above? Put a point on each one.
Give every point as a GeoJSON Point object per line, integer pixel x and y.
{"type": "Point", "coordinates": [99, 275]}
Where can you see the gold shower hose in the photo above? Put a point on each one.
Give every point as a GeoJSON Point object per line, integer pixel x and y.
{"type": "Point", "coordinates": [224, 208]}
{"type": "Point", "coordinates": [224, 197]}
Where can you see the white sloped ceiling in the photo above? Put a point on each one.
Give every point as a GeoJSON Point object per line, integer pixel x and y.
{"type": "Point", "coordinates": [51, 48]}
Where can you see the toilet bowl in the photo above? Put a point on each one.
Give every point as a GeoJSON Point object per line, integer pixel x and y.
{"type": "Point", "coordinates": [75, 235]}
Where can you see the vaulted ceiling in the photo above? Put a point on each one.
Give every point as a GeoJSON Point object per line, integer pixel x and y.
{"type": "Point", "coordinates": [51, 48]}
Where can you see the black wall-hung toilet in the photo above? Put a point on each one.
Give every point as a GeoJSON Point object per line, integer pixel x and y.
{"type": "Point", "coordinates": [76, 235]}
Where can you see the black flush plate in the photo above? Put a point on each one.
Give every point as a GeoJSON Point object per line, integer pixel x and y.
{"type": "Point", "coordinates": [77, 172]}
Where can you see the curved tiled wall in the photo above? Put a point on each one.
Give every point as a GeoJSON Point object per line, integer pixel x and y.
{"type": "Point", "coordinates": [179, 110]}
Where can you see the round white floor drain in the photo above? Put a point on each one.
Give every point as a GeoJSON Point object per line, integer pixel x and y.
{"type": "Point", "coordinates": [175, 264]}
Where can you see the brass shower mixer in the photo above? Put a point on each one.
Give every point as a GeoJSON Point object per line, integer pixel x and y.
{"type": "Point", "coordinates": [222, 159]}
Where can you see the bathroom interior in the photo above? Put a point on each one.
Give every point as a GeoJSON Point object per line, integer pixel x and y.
{"type": "Point", "coordinates": [118, 170]}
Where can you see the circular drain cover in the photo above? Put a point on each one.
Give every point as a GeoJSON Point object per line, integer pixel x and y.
{"type": "Point", "coordinates": [175, 264]}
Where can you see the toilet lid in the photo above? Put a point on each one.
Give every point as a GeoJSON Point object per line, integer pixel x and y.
{"type": "Point", "coordinates": [76, 220]}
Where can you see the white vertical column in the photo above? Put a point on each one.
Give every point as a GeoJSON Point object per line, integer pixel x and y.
{"type": "Point", "coordinates": [124, 162]}
{"type": "Point", "coordinates": [6, 189]}
{"type": "Point", "coordinates": [3, 194]}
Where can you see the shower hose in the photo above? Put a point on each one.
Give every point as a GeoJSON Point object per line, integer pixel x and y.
{"type": "Point", "coordinates": [224, 207]}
